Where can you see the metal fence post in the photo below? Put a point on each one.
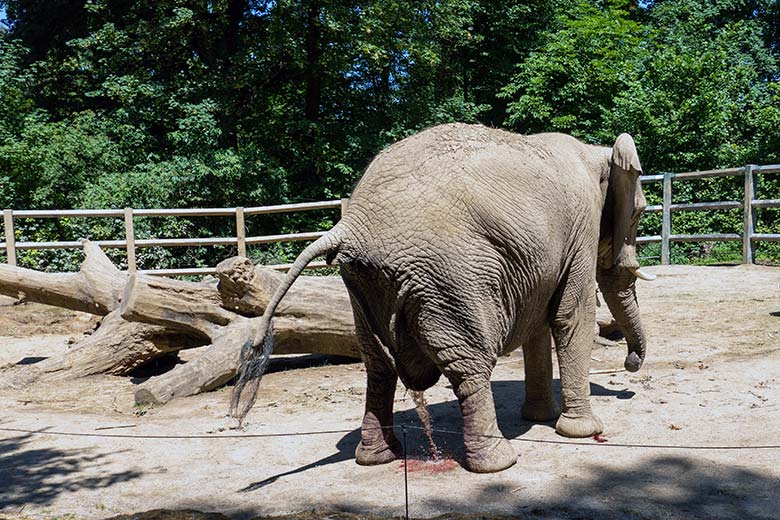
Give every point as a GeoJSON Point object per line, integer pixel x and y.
{"type": "Point", "coordinates": [240, 232]}
{"type": "Point", "coordinates": [130, 240]}
{"type": "Point", "coordinates": [666, 219]}
{"type": "Point", "coordinates": [749, 224]}
{"type": "Point", "coordinates": [10, 239]}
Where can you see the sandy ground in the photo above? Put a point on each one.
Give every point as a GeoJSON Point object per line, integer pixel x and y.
{"type": "Point", "coordinates": [712, 379]}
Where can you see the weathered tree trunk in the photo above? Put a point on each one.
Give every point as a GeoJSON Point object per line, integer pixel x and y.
{"type": "Point", "coordinates": [147, 317]}
{"type": "Point", "coordinates": [316, 318]}
{"type": "Point", "coordinates": [116, 347]}
{"type": "Point", "coordinates": [607, 326]}
{"type": "Point", "coordinates": [95, 289]}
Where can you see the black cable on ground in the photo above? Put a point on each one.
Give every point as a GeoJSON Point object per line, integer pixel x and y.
{"type": "Point", "coordinates": [412, 427]}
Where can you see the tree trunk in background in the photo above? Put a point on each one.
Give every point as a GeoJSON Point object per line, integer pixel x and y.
{"type": "Point", "coordinates": [312, 74]}
{"type": "Point", "coordinates": [236, 10]}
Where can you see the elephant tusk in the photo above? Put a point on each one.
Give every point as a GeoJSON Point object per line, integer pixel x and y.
{"type": "Point", "coordinates": [643, 275]}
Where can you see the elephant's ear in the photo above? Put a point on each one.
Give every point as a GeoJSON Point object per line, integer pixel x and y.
{"type": "Point", "coordinates": [627, 201]}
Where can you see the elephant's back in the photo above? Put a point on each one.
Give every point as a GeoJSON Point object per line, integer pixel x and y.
{"type": "Point", "coordinates": [459, 160]}
{"type": "Point", "coordinates": [458, 179]}
{"type": "Point", "coordinates": [447, 154]}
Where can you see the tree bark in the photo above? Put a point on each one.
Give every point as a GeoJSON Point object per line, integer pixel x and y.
{"type": "Point", "coordinates": [312, 72]}
{"type": "Point", "coordinates": [315, 315]}
{"type": "Point", "coordinates": [117, 347]}
{"type": "Point", "coordinates": [315, 318]}
{"type": "Point", "coordinates": [147, 317]}
{"type": "Point", "coordinates": [607, 326]}
{"type": "Point", "coordinates": [94, 289]}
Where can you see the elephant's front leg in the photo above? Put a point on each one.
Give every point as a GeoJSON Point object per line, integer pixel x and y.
{"type": "Point", "coordinates": [573, 334]}
{"type": "Point", "coordinates": [539, 402]}
{"type": "Point", "coordinates": [486, 448]}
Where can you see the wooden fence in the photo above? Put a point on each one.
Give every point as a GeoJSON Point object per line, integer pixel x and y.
{"type": "Point", "coordinates": [240, 240]}
{"type": "Point", "coordinates": [748, 204]}
{"type": "Point", "coordinates": [748, 236]}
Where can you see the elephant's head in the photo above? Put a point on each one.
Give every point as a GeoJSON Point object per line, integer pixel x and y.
{"type": "Point", "coordinates": [618, 267]}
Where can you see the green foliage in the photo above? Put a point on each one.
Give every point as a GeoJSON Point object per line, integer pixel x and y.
{"type": "Point", "coordinates": [178, 103]}
{"type": "Point", "coordinates": [694, 81]}
{"type": "Point", "coordinates": [570, 83]}
{"type": "Point", "coordinates": [703, 100]}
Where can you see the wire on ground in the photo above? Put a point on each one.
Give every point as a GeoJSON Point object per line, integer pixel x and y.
{"type": "Point", "coordinates": [44, 431]}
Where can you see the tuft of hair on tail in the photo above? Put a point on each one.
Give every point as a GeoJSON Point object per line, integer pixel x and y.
{"type": "Point", "coordinates": [255, 353]}
{"type": "Point", "coordinates": [253, 362]}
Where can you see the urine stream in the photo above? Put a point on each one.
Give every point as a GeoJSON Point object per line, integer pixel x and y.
{"type": "Point", "coordinates": [422, 411]}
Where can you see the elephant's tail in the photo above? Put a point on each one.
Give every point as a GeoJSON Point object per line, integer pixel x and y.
{"type": "Point", "coordinates": [256, 352]}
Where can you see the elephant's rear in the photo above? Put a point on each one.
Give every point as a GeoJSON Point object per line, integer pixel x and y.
{"type": "Point", "coordinates": [464, 220]}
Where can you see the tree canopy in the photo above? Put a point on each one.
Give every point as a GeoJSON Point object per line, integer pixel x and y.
{"type": "Point", "coordinates": [183, 103]}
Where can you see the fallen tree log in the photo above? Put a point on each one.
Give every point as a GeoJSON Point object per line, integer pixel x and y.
{"type": "Point", "coordinates": [148, 317]}
{"type": "Point", "coordinates": [607, 327]}
{"type": "Point", "coordinates": [95, 288]}
{"type": "Point", "coordinates": [117, 347]}
{"type": "Point", "coordinates": [316, 318]}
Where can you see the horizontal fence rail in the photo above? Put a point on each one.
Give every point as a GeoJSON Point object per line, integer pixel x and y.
{"type": "Point", "coordinates": [241, 241]}
{"type": "Point", "coordinates": [130, 243]}
{"type": "Point", "coordinates": [747, 204]}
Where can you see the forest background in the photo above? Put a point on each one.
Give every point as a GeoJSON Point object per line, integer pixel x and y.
{"type": "Point", "coordinates": [224, 103]}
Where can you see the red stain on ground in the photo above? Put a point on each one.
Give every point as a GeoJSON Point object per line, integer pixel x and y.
{"type": "Point", "coordinates": [598, 438]}
{"type": "Point", "coordinates": [430, 466]}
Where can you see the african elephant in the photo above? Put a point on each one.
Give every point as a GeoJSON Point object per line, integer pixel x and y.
{"type": "Point", "coordinates": [462, 243]}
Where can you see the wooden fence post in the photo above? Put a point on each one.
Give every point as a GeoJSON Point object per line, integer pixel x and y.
{"type": "Point", "coordinates": [240, 232]}
{"type": "Point", "coordinates": [749, 222]}
{"type": "Point", "coordinates": [130, 239]}
{"type": "Point", "coordinates": [344, 206]}
{"type": "Point", "coordinates": [10, 239]}
{"type": "Point", "coordinates": [666, 219]}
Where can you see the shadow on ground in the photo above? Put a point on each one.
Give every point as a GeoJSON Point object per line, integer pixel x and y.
{"type": "Point", "coordinates": [508, 395]}
{"type": "Point", "coordinates": [296, 362]}
{"type": "Point", "coordinates": [662, 486]}
{"type": "Point", "coordinates": [34, 476]}
{"type": "Point", "coordinates": [167, 362]}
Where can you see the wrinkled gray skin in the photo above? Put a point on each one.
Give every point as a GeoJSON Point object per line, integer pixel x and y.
{"type": "Point", "coordinates": [463, 243]}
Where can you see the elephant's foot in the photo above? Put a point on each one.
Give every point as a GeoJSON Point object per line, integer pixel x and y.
{"type": "Point", "coordinates": [495, 455]}
{"type": "Point", "coordinates": [487, 450]}
{"type": "Point", "coordinates": [570, 425]}
{"type": "Point", "coordinates": [386, 449]}
{"type": "Point", "coordinates": [540, 411]}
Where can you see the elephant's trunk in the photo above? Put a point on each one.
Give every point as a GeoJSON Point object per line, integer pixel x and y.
{"type": "Point", "coordinates": [619, 291]}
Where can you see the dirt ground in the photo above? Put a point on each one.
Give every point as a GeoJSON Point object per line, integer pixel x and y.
{"type": "Point", "coordinates": [712, 379]}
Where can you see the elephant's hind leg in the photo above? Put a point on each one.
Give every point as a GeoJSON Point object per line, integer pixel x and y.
{"type": "Point", "coordinates": [487, 450]}
{"type": "Point", "coordinates": [539, 402]}
{"type": "Point", "coordinates": [467, 362]}
{"type": "Point", "coordinates": [378, 444]}
{"type": "Point", "coordinates": [573, 334]}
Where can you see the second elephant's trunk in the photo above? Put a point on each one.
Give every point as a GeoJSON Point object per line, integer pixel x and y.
{"type": "Point", "coordinates": [619, 291]}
